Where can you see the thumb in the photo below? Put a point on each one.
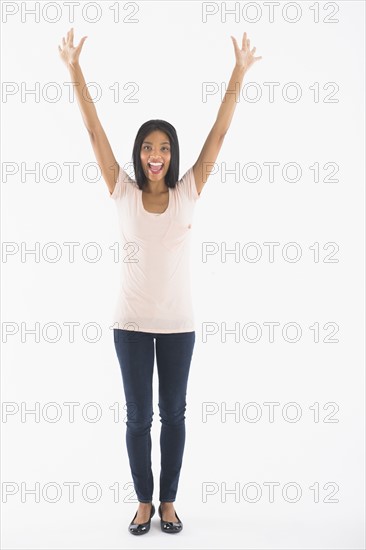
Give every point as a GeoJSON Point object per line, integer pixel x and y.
{"type": "Point", "coordinates": [80, 45]}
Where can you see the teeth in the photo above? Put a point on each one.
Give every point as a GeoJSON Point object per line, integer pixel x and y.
{"type": "Point", "coordinates": [155, 163]}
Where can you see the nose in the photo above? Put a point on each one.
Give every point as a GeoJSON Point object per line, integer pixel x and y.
{"type": "Point", "coordinates": [155, 159]}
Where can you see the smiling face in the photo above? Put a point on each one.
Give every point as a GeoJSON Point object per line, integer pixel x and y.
{"type": "Point", "coordinates": [155, 155]}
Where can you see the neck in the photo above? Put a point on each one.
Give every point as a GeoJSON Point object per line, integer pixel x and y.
{"type": "Point", "coordinates": [155, 187]}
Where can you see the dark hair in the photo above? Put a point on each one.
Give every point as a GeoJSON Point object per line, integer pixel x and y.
{"type": "Point", "coordinates": [172, 174]}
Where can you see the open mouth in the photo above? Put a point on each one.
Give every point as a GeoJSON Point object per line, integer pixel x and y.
{"type": "Point", "coordinates": [155, 167]}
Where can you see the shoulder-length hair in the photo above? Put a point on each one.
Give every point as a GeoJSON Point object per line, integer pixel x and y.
{"type": "Point", "coordinates": [172, 174]}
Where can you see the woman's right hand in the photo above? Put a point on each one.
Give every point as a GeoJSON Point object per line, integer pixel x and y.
{"type": "Point", "coordinates": [69, 53]}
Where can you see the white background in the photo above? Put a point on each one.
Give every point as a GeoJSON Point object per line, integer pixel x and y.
{"type": "Point", "coordinates": [170, 53]}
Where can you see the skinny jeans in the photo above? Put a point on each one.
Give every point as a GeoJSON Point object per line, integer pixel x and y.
{"type": "Point", "coordinates": [135, 352]}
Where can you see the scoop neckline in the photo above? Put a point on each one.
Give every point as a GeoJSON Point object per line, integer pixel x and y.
{"type": "Point", "coordinates": [156, 213]}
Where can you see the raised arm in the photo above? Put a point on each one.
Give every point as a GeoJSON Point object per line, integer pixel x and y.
{"type": "Point", "coordinates": [206, 160]}
{"type": "Point", "coordinates": [102, 149]}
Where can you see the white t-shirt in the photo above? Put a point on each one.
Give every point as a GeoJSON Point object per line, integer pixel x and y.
{"type": "Point", "coordinates": [155, 290]}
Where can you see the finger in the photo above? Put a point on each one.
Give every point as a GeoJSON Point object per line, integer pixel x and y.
{"type": "Point", "coordinates": [257, 58]}
{"type": "Point", "coordinates": [243, 45]}
{"type": "Point", "coordinates": [63, 41]}
{"type": "Point", "coordinates": [253, 50]}
{"type": "Point", "coordinates": [248, 44]}
{"type": "Point", "coordinates": [234, 42]}
{"type": "Point", "coordinates": [59, 49]}
{"type": "Point", "coordinates": [72, 36]}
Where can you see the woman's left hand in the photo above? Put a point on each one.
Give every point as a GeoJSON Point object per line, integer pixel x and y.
{"type": "Point", "coordinates": [244, 57]}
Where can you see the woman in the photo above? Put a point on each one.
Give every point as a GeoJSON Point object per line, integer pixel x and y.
{"type": "Point", "coordinates": [155, 214]}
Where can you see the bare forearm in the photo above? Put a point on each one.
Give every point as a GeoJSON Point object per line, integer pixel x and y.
{"type": "Point", "coordinates": [230, 100]}
{"type": "Point", "coordinates": [87, 107]}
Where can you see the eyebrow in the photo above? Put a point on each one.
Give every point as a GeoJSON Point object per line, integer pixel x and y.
{"type": "Point", "coordinates": [150, 143]}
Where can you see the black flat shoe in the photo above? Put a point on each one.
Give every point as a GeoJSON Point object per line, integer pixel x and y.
{"type": "Point", "coordinates": [141, 528]}
{"type": "Point", "coordinates": [170, 526]}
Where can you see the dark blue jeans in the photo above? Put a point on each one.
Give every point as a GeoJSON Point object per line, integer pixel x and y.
{"type": "Point", "coordinates": [135, 352]}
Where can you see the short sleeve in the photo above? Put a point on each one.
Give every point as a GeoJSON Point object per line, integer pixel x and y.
{"type": "Point", "coordinates": [188, 184]}
{"type": "Point", "coordinates": [123, 180]}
